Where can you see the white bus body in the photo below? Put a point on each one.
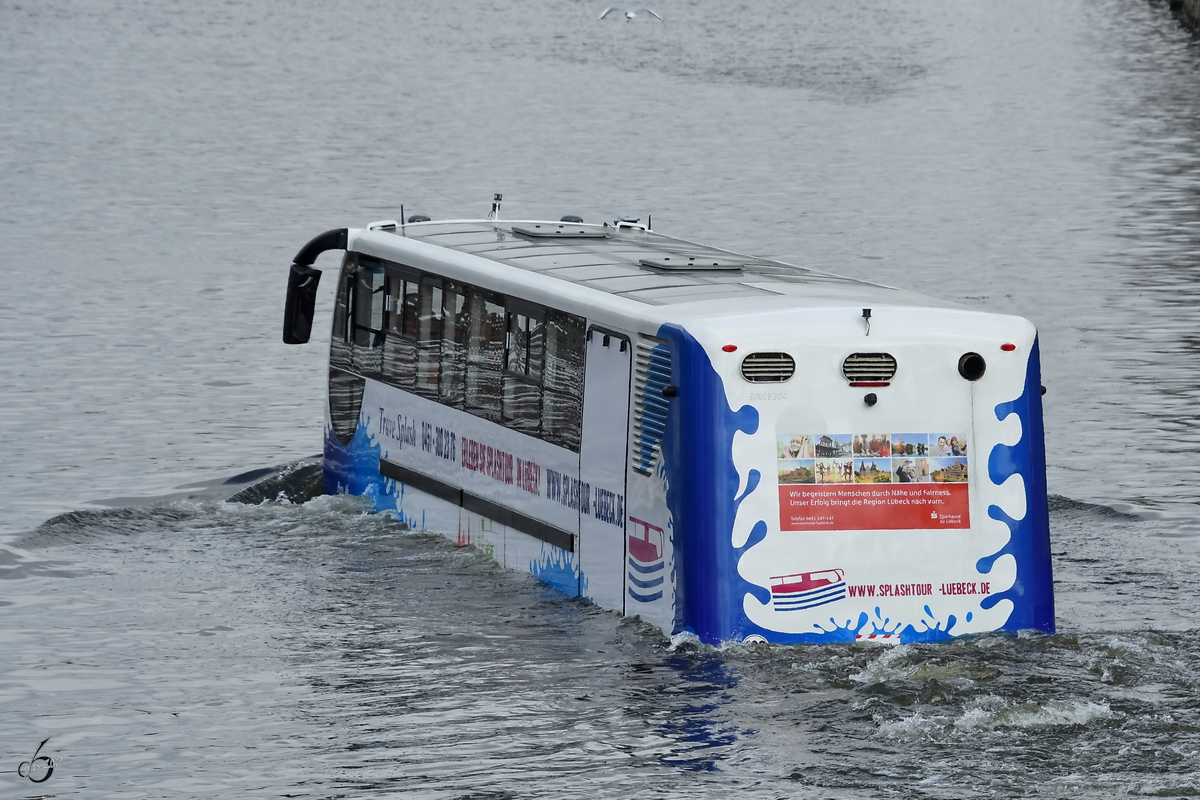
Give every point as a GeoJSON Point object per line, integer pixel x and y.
{"type": "Point", "coordinates": [724, 445]}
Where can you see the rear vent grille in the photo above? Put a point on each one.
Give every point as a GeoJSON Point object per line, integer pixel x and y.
{"type": "Point", "coordinates": [768, 367]}
{"type": "Point", "coordinates": [652, 374]}
{"type": "Point", "coordinates": [869, 368]}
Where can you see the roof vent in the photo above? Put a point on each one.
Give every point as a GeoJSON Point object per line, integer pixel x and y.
{"type": "Point", "coordinates": [560, 230]}
{"type": "Point", "coordinates": [768, 367]}
{"type": "Point", "coordinates": [418, 218]}
{"type": "Point", "coordinates": [692, 264]}
{"type": "Point", "coordinates": [571, 218]}
{"type": "Point", "coordinates": [869, 369]}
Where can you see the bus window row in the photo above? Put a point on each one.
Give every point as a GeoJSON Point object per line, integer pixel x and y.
{"type": "Point", "coordinates": [500, 358]}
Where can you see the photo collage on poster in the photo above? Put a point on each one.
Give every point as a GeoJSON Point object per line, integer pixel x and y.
{"type": "Point", "coordinates": [840, 458]}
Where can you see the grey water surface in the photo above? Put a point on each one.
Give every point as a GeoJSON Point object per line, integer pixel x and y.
{"type": "Point", "coordinates": [161, 163]}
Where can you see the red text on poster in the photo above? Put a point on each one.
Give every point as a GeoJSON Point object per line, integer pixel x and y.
{"type": "Point", "coordinates": [873, 507]}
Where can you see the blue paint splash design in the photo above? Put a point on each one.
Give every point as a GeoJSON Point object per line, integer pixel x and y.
{"type": "Point", "coordinates": [704, 502]}
{"type": "Point", "coordinates": [932, 630]}
{"type": "Point", "coordinates": [556, 567]}
{"type": "Point", "coordinates": [391, 500]}
{"type": "Point", "coordinates": [836, 632]}
{"type": "Point", "coordinates": [881, 625]}
{"type": "Point", "coordinates": [353, 468]}
{"type": "Point", "coordinates": [1032, 594]}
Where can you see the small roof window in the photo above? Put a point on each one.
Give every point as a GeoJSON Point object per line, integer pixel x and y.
{"type": "Point", "coordinates": [692, 264]}
{"type": "Point", "coordinates": [562, 230]}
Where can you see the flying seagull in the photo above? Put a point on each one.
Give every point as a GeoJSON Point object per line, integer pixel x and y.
{"type": "Point", "coordinates": [629, 15]}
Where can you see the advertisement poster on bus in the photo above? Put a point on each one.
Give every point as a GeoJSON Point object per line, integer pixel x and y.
{"type": "Point", "coordinates": [873, 481]}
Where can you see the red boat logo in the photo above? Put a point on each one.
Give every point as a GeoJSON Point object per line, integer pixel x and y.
{"type": "Point", "coordinates": [645, 574]}
{"type": "Point", "coordinates": [807, 589]}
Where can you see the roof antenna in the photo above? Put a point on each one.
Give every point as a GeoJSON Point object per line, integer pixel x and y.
{"type": "Point", "coordinates": [495, 215]}
{"type": "Point", "coordinates": [867, 319]}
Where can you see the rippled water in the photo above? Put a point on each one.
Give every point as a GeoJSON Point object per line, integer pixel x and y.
{"type": "Point", "coordinates": [162, 163]}
{"type": "Point", "coordinates": [320, 651]}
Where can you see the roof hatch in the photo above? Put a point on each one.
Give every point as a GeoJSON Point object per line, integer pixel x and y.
{"type": "Point", "coordinates": [561, 230]}
{"type": "Point", "coordinates": [692, 263]}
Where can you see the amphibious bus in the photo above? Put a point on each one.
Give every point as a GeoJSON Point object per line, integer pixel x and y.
{"type": "Point", "coordinates": [727, 446]}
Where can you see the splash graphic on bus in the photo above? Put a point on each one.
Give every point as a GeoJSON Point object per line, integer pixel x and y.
{"type": "Point", "coordinates": [807, 589]}
{"type": "Point", "coordinates": [645, 574]}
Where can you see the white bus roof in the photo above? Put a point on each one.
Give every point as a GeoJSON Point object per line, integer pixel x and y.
{"type": "Point", "coordinates": [632, 263]}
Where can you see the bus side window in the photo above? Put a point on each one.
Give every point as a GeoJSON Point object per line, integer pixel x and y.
{"type": "Point", "coordinates": [410, 302]}
{"type": "Point", "coordinates": [506, 360]}
{"type": "Point", "coordinates": [341, 304]}
{"type": "Point", "coordinates": [485, 354]}
{"type": "Point", "coordinates": [400, 356]}
{"type": "Point", "coordinates": [453, 362]}
{"type": "Point", "coordinates": [562, 406]}
{"type": "Point", "coordinates": [429, 337]}
{"type": "Point", "coordinates": [339, 341]}
{"type": "Point", "coordinates": [367, 323]}
{"type": "Point", "coordinates": [523, 371]}
{"type": "Point", "coordinates": [537, 346]}
{"type": "Point", "coordinates": [368, 306]}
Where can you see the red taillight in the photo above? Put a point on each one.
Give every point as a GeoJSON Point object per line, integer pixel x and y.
{"type": "Point", "coordinates": [1008, 347]}
{"type": "Point", "coordinates": [729, 348]}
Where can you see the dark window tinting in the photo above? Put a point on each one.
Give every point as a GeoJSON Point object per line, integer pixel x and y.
{"type": "Point", "coordinates": [367, 316]}
{"type": "Point", "coordinates": [400, 350]}
{"type": "Point", "coordinates": [485, 354]}
{"type": "Point", "coordinates": [452, 379]}
{"type": "Point", "coordinates": [523, 371]}
{"type": "Point", "coordinates": [429, 337]}
{"type": "Point", "coordinates": [562, 407]}
{"type": "Point", "coordinates": [503, 359]}
{"type": "Point", "coordinates": [339, 345]}
{"type": "Point", "coordinates": [368, 302]}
